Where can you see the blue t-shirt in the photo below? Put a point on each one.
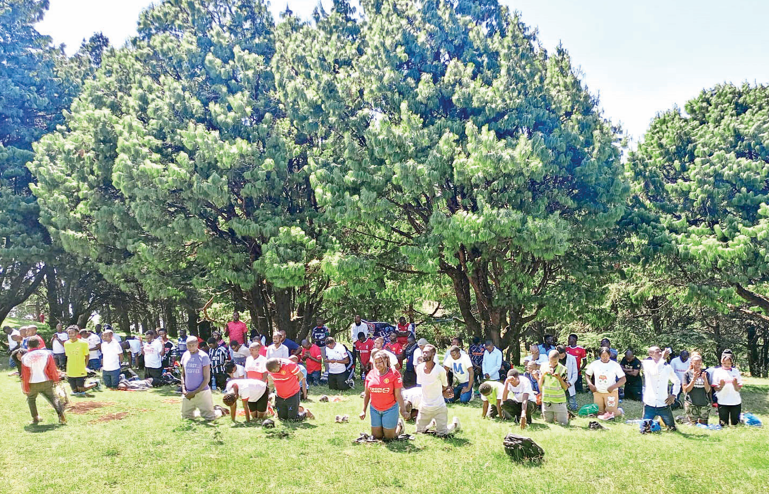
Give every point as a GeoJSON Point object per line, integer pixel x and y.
{"type": "Point", "coordinates": [193, 369]}
{"type": "Point", "coordinates": [319, 335]}
{"type": "Point", "coordinates": [291, 345]}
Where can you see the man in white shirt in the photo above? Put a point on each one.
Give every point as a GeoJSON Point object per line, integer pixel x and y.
{"type": "Point", "coordinates": [337, 358]}
{"type": "Point", "coordinates": [657, 375]}
{"type": "Point", "coordinates": [253, 393]}
{"type": "Point", "coordinates": [680, 364]}
{"type": "Point", "coordinates": [571, 377]}
{"type": "Point", "coordinates": [153, 356]}
{"type": "Point", "coordinates": [277, 349]}
{"type": "Point", "coordinates": [462, 368]}
{"type": "Point", "coordinates": [113, 357]}
{"type": "Point", "coordinates": [518, 398]}
{"type": "Point", "coordinates": [14, 340]}
{"type": "Point", "coordinates": [57, 345]}
{"type": "Point", "coordinates": [94, 344]}
{"type": "Point", "coordinates": [432, 379]}
{"type": "Point", "coordinates": [135, 347]}
{"type": "Point", "coordinates": [492, 362]}
{"type": "Point", "coordinates": [419, 352]}
{"type": "Point", "coordinates": [535, 356]}
{"type": "Point", "coordinates": [358, 327]}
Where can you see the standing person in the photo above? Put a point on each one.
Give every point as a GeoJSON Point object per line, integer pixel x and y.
{"type": "Point", "coordinates": [403, 330]}
{"type": "Point", "coordinates": [604, 378]}
{"type": "Point", "coordinates": [358, 326]}
{"type": "Point", "coordinates": [218, 356]}
{"type": "Point", "coordinates": [571, 375]}
{"type": "Point", "coordinates": [680, 365]}
{"type": "Point", "coordinates": [432, 378]}
{"type": "Point", "coordinates": [476, 357]}
{"type": "Point", "coordinates": [168, 346]}
{"type": "Point", "coordinates": [239, 352]}
{"type": "Point", "coordinates": [236, 329]}
{"type": "Point", "coordinates": [552, 382]}
{"type": "Point", "coordinates": [395, 348]}
{"type": "Point", "coordinates": [696, 387]}
{"type": "Point", "coordinates": [657, 375]}
{"type": "Point", "coordinates": [409, 364]}
{"type": "Point", "coordinates": [319, 334]}
{"type": "Point", "coordinates": [196, 374]}
{"type": "Point", "coordinates": [135, 347]}
{"type": "Point", "coordinates": [631, 366]}
{"type": "Point", "coordinates": [77, 360]}
{"type": "Point", "coordinates": [57, 344]}
{"type": "Point", "coordinates": [607, 344]}
{"type": "Point", "coordinates": [152, 350]}
{"type": "Point", "coordinates": [181, 342]}
{"type": "Point", "coordinates": [363, 346]}
{"type": "Point", "coordinates": [112, 352]}
{"type": "Point", "coordinates": [462, 368]}
{"type": "Point", "coordinates": [94, 345]}
{"type": "Point", "coordinates": [727, 382]}
{"type": "Point", "coordinates": [293, 348]}
{"type": "Point", "coordinates": [580, 355]}
{"type": "Point", "coordinates": [518, 398]}
{"type": "Point", "coordinates": [549, 344]}
{"type": "Point", "coordinates": [253, 393]}
{"type": "Point", "coordinates": [382, 395]}
{"type": "Point", "coordinates": [288, 379]}
{"type": "Point", "coordinates": [313, 360]}
{"type": "Point", "coordinates": [337, 358]}
{"type": "Point", "coordinates": [277, 349]}
{"type": "Point", "coordinates": [492, 362]}
{"type": "Point", "coordinates": [38, 376]}
{"type": "Point", "coordinates": [256, 362]}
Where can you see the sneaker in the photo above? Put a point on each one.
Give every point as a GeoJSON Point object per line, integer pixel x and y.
{"type": "Point", "coordinates": [350, 382]}
{"type": "Point", "coordinates": [456, 425]}
{"type": "Point", "coordinates": [98, 386]}
{"type": "Point", "coordinates": [606, 416]}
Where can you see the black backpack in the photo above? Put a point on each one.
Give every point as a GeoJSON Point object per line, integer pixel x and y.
{"type": "Point", "coordinates": [522, 449]}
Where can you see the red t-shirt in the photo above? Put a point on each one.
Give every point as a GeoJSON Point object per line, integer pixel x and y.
{"type": "Point", "coordinates": [364, 349]}
{"type": "Point", "coordinates": [382, 388]}
{"type": "Point", "coordinates": [311, 365]}
{"type": "Point", "coordinates": [578, 353]}
{"type": "Point", "coordinates": [237, 331]}
{"type": "Point", "coordinates": [403, 328]}
{"type": "Point", "coordinates": [286, 381]}
{"type": "Point", "coordinates": [395, 348]}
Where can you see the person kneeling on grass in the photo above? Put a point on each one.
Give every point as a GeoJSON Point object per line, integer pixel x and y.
{"type": "Point", "coordinates": [518, 398]}
{"type": "Point", "coordinates": [552, 382]}
{"type": "Point", "coordinates": [38, 376]}
{"type": "Point", "coordinates": [435, 389]}
{"type": "Point", "coordinates": [656, 395]}
{"type": "Point", "coordinates": [196, 374]}
{"type": "Point", "coordinates": [412, 397]}
{"type": "Point", "coordinates": [491, 396]}
{"type": "Point", "coordinates": [287, 378]}
{"type": "Point", "coordinates": [459, 363]}
{"type": "Point", "coordinates": [727, 383]}
{"type": "Point", "coordinates": [609, 377]}
{"type": "Point", "coordinates": [252, 392]}
{"type": "Point", "coordinates": [383, 392]}
{"type": "Point", "coordinates": [696, 386]}
{"type": "Point", "coordinates": [337, 361]}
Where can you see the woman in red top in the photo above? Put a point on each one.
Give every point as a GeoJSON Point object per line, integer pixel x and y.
{"type": "Point", "coordinates": [383, 393]}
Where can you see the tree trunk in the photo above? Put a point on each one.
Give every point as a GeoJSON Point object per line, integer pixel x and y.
{"type": "Point", "coordinates": [464, 300]}
{"type": "Point", "coordinates": [192, 322]}
{"type": "Point", "coordinates": [170, 319]}
{"type": "Point", "coordinates": [282, 312]}
{"type": "Point", "coordinates": [123, 320]}
{"type": "Point", "coordinates": [753, 355]}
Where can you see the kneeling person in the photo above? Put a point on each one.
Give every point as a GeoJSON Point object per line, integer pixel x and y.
{"type": "Point", "coordinates": [196, 374]}
{"type": "Point", "coordinates": [432, 378]}
{"type": "Point", "coordinates": [383, 392]}
{"type": "Point", "coordinates": [460, 365]}
{"type": "Point", "coordinates": [518, 398]}
{"type": "Point", "coordinates": [287, 378]}
{"type": "Point", "coordinates": [252, 392]}
{"type": "Point", "coordinates": [337, 361]}
{"type": "Point", "coordinates": [491, 396]}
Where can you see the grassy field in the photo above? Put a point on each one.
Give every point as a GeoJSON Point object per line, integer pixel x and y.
{"type": "Point", "coordinates": [151, 450]}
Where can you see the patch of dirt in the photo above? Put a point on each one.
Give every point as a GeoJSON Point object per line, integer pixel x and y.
{"type": "Point", "coordinates": [171, 401]}
{"type": "Point", "coordinates": [109, 417]}
{"type": "Point", "coordinates": [82, 407]}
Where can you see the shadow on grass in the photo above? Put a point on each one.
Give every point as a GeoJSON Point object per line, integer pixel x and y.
{"type": "Point", "coordinates": [402, 447]}
{"type": "Point", "coordinates": [536, 426]}
{"type": "Point", "coordinates": [38, 428]}
{"type": "Point", "coordinates": [711, 438]}
{"type": "Point", "coordinates": [167, 391]}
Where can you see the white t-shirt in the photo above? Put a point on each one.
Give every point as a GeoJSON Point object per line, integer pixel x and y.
{"type": "Point", "coordinates": [280, 352]}
{"type": "Point", "coordinates": [248, 389]}
{"type": "Point", "coordinates": [135, 346]}
{"type": "Point", "coordinates": [242, 352]}
{"type": "Point", "coordinates": [541, 360]}
{"type": "Point", "coordinates": [359, 328]}
{"type": "Point", "coordinates": [240, 372]}
{"type": "Point", "coordinates": [432, 386]}
{"type": "Point", "coordinates": [679, 367]}
{"type": "Point", "coordinates": [153, 354]}
{"type": "Point", "coordinates": [606, 374]}
{"type": "Point", "coordinates": [728, 395]}
{"type": "Point", "coordinates": [12, 344]}
{"type": "Point", "coordinates": [418, 355]}
{"type": "Point", "coordinates": [58, 348]}
{"type": "Point", "coordinates": [93, 341]}
{"type": "Point", "coordinates": [460, 368]}
{"type": "Point", "coordinates": [413, 395]}
{"type": "Point", "coordinates": [256, 364]}
{"type": "Point", "coordinates": [447, 357]}
{"type": "Point", "coordinates": [111, 352]}
{"type": "Point", "coordinates": [336, 353]}
{"type": "Point", "coordinates": [516, 393]}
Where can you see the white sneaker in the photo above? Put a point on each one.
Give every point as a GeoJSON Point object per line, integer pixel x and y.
{"type": "Point", "coordinates": [456, 425]}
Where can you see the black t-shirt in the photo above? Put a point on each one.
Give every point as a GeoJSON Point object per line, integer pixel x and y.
{"type": "Point", "coordinates": [635, 364]}
{"type": "Point", "coordinates": [697, 396]}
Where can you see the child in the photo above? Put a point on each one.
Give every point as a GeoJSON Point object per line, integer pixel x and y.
{"type": "Point", "coordinates": [252, 392]}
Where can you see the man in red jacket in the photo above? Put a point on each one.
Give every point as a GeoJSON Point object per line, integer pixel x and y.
{"type": "Point", "coordinates": [38, 375]}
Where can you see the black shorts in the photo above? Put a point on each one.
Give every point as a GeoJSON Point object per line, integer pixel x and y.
{"type": "Point", "coordinates": [259, 405]}
{"type": "Point", "coordinates": [76, 383]}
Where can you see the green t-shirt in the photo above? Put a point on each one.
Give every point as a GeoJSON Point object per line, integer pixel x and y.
{"type": "Point", "coordinates": [76, 352]}
{"type": "Point", "coordinates": [552, 392]}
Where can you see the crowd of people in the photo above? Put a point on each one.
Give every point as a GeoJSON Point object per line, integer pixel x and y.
{"type": "Point", "coordinates": [403, 377]}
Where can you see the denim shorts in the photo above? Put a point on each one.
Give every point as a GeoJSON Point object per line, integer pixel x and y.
{"type": "Point", "coordinates": [387, 419]}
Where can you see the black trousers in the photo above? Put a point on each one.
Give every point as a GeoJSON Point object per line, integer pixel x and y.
{"type": "Point", "coordinates": [729, 414]}
{"type": "Point", "coordinates": [154, 373]}
{"type": "Point", "coordinates": [288, 408]}
{"type": "Point", "coordinates": [337, 381]}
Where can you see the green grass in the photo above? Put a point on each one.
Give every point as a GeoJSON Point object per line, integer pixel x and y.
{"type": "Point", "coordinates": [153, 451]}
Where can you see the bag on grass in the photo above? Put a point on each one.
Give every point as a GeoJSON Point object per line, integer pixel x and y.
{"type": "Point", "coordinates": [588, 410]}
{"type": "Point", "coordinates": [750, 419]}
{"type": "Point", "coordinates": [521, 448]}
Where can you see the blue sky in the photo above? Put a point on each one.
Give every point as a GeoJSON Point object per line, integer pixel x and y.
{"type": "Point", "coordinates": [641, 57]}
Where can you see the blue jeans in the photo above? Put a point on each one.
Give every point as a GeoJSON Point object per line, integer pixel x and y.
{"type": "Point", "coordinates": [578, 385]}
{"type": "Point", "coordinates": [94, 364]}
{"type": "Point", "coordinates": [387, 419]}
{"type": "Point", "coordinates": [459, 395]}
{"type": "Point", "coordinates": [572, 401]}
{"type": "Point", "coordinates": [313, 378]}
{"type": "Point", "coordinates": [111, 378]}
{"type": "Point", "coordinates": [665, 413]}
